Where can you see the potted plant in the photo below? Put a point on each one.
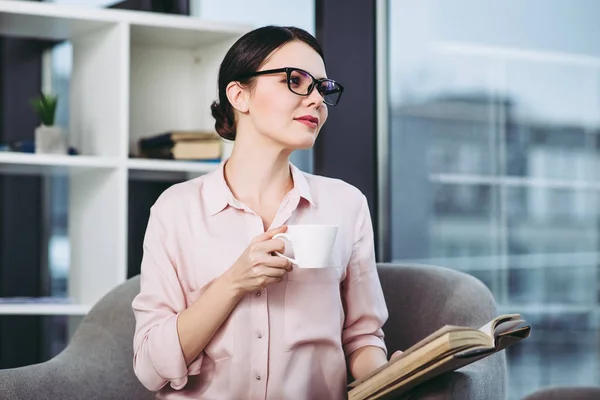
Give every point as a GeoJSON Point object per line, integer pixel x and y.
{"type": "Point", "coordinates": [49, 138]}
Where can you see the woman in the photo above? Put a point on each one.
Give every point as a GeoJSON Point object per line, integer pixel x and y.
{"type": "Point", "coordinates": [219, 315]}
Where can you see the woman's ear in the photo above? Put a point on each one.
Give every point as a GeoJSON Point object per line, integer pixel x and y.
{"type": "Point", "coordinates": [238, 96]}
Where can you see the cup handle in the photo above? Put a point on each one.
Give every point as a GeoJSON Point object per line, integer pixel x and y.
{"type": "Point", "coordinates": [285, 237]}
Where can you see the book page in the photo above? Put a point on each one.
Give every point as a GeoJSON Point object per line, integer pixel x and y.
{"type": "Point", "coordinates": [490, 328]}
{"type": "Point", "coordinates": [507, 327]}
{"type": "Point", "coordinates": [508, 339]}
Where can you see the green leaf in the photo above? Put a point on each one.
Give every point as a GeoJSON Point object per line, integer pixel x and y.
{"type": "Point", "coordinates": [45, 106]}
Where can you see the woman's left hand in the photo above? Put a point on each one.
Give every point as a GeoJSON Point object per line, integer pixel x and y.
{"type": "Point", "coordinates": [396, 354]}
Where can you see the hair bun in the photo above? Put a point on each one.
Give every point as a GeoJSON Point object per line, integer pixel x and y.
{"type": "Point", "coordinates": [224, 124]}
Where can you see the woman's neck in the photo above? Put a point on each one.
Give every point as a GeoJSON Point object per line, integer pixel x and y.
{"type": "Point", "coordinates": [258, 174]}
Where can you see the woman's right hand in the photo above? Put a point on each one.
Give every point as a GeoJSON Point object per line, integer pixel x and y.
{"type": "Point", "coordinates": [257, 267]}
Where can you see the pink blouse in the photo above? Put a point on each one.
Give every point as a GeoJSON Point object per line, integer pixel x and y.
{"type": "Point", "coordinates": [288, 341]}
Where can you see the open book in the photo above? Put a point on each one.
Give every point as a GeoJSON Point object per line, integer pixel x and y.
{"type": "Point", "coordinates": [447, 349]}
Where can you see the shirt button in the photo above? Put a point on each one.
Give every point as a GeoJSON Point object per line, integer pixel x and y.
{"type": "Point", "coordinates": [259, 335]}
{"type": "Point", "coordinates": [258, 294]}
{"type": "Point", "coordinates": [257, 377]}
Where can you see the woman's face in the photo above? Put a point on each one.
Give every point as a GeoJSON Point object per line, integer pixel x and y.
{"type": "Point", "coordinates": [291, 120]}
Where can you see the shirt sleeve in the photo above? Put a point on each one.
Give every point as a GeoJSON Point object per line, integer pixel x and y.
{"type": "Point", "coordinates": [158, 357]}
{"type": "Point", "coordinates": [365, 307]}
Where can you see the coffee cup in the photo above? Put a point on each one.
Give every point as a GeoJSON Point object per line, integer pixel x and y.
{"type": "Point", "coordinates": [312, 244]}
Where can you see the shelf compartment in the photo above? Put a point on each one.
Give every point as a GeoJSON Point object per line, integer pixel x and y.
{"type": "Point", "coordinates": [171, 89]}
{"type": "Point", "coordinates": [181, 32]}
{"type": "Point", "coordinates": [48, 21]}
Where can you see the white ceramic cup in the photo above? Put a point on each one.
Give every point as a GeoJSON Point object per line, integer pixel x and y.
{"type": "Point", "coordinates": [312, 244]}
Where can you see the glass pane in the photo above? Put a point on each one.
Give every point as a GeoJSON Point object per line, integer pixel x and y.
{"type": "Point", "coordinates": [457, 127]}
{"type": "Point", "coordinates": [494, 166]}
{"type": "Point", "coordinates": [551, 123]}
{"type": "Point", "coordinates": [553, 241]}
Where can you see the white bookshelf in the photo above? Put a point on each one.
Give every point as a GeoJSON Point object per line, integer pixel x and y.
{"type": "Point", "coordinates": [134, 74]}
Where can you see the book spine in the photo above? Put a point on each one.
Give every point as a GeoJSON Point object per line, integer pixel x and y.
{"type": "Point", "coordinates": [162, 153]}
{"type": "Point", "coordinates": [163, 140]}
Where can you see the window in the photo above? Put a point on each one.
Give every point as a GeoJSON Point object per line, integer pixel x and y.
{"type": "Point", "coordinates": [494, 123]}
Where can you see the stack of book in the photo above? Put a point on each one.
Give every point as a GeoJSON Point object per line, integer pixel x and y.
{"type": "Point", "coordinates": [182, 145]}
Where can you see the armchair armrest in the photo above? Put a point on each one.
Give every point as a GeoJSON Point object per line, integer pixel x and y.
{"type": "Point", "coordinates": [81, 372]}
{"type": "Point", "coordinates": [97, 363]}
{"type": "Point", "coordinates": [483, 379]}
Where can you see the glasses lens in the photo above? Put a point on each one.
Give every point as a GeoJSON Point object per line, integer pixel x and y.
{"type": "Point", "coordinates": [300, 82]}
{"type": "Point", "coordinates": [331, 92]}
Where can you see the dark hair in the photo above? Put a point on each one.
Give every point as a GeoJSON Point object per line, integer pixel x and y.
{"type": "Point", "coordinates": [246, 56]}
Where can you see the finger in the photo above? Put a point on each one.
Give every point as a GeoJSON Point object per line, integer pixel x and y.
{"type": "Point", "coordinates": [269, 234]}
{"type": "Point", "coordinates": [272, 232]}
{"type": "Point", "coordinates": [274, 260]}
{"type": "Point", "coordinates": [264, 270]}
{"type": "Point", "coordinates": [278, 262]}
{"type": "Point", "coordinates": [271, 245]}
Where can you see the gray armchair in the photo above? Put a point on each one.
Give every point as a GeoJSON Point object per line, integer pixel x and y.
{"type": "Point", "coordinates": [562, 393]}
{"type": "Point", "coordinates": [97, 363]}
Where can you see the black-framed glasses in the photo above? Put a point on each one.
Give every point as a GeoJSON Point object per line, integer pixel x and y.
{"type": "Point", "coordinates": [302, 83]}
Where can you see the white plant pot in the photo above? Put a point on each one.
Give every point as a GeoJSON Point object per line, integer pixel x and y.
{"type": "Point", "coordinates": [50, 140]}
